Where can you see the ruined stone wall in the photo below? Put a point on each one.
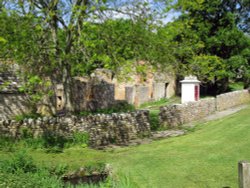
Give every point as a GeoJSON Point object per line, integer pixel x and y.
{"type": "Point", "coordinates": [137, 95]}
{"type": "Point", "coordinates": [103, 129]}
{"type": "Point", "coordinates": [93, 94]}
{"type": "Point", "coordinates": [141, 95]}
{"type": "Point", "coordinates": [229, 100]}
{"type": "Point", "coordinates": [178, 114]}
{"type": "Point", "coordinates": [12, 105]}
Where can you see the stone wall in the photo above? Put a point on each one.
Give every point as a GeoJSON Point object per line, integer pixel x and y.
{"type": "Point", "coordinates": [130, 94]}
{"type": "Point", "coordinates": [178, 114]}
{"type": "Point", "coordinates": [142, 95]}
{"type": "Point", "coordinates": [93, 94]}
{"type": "Point", "coordinates": [229, 100]}
{"type": "Point", "coordinates": [137, 95]}
{"type": "Point", "coordinates": [159, 91]}
{"type": "Point", "coordinates": [12, 105]}
{"type": "Point", "coordinates": [103, 129]}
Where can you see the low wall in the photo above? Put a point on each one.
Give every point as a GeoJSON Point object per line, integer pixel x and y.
{"type": "Point", "coordinates": [13, 104]}
{"type": "Point", "coordinates": [229, 100]}
{"type": "Point", "coordinates": [103, 129]}
{"type": "Point", "coordinates": [178, 114]}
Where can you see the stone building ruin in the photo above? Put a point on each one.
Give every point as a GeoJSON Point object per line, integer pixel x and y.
{"type": "Point", "coordinates": [139, 89]}
{"type": "Point", "coordinates": [101, 90]}
{"type": "Point", "coordinates": [12, 102]}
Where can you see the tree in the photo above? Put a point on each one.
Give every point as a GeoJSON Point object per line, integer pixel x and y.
{"type": "Point", "coordinates": [59, 39]}
{"type": "Point", "coordinates": [214, 46]}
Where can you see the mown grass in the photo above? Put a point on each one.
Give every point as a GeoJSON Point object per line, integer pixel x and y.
{"type": "Point", "coordinates": [206, 157]}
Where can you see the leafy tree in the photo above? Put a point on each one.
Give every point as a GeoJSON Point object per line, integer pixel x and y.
{"type": "Point", "coordinates": [211, 43]}
{"type": "Point", "coordinates": [59, 39]}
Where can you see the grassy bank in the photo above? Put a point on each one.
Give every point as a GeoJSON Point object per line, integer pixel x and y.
{"type": "Point", "coordinates": [207, 157]}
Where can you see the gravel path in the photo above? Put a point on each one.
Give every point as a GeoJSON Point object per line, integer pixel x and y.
{"type": "Point", "coordinates": [224, 113]}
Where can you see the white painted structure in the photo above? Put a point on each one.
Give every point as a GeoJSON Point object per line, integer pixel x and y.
{"type": "Point", "coordinates": [190, 89]}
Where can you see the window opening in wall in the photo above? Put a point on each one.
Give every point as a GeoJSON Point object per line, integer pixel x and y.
{"type": "Point", "coordinates": [166, 90]}
{"type": "Point", "coordinates": [59, 102]}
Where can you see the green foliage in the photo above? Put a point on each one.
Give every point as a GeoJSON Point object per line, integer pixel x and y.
{"type": "Point", "coordinates": [36, 88]}
{"type": "Point", "coordinates": [26, 133]}
{"type": "Point", "coordinates": [57, 170]}
{"type": "Point", "coordinates": [4, 85]}
{"type": "Point", "coordinates": [29, 180]}
{"type": "Point", "coordinates": [154, 120]}
{"type": "Point", "coordinates": [209, 41]}
{"type": "Point", "coordinates": [53, 142]}
{"type": "Point", "coordinates": [19, 162]}
{"type": "Point", "coordinates": [20, 171]}
{"type": "Point", "coordinates": [50, 141]}
{"type": "Point", "coordinates": [208, 67]}
{"type": "Point", "coordinates": [79, 138]}
{"type": "Point", "coordinates": [185, 160]}
{"type": "Point", "coordinates": [7, 144]}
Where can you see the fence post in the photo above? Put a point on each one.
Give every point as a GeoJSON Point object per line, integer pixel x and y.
{"type": "Point", "coordinates": [244, 174]}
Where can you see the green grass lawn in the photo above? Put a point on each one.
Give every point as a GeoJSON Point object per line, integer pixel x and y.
{"type": "Point", "coordinates": [207, 157]}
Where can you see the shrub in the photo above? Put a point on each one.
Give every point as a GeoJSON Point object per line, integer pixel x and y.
{"type": "Point", "coordinates": [19, 162]}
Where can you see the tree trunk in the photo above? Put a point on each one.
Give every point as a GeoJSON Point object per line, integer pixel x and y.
{"type": "Point", "coordinates": [68, 93]}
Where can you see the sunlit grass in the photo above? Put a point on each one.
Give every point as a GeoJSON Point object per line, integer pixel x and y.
{"type": "Point", "coordinates": [207, 157]}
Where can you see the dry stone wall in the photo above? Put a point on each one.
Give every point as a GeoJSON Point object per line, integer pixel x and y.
{"type": "Point", "coordinates": [178, 114]}
{"type": "Point", "coordinates": [103, 129]}
{"type": "Point", "coordinates": [229, 100]}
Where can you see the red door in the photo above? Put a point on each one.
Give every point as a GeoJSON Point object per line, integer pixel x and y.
{"type": "Point", "coordinates": [196, 93]}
